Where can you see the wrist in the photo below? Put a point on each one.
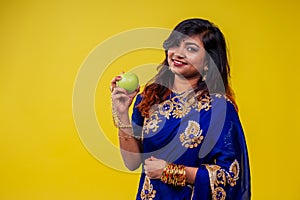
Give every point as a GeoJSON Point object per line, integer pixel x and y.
{"type": "Point", "coordinates": [121, 122]}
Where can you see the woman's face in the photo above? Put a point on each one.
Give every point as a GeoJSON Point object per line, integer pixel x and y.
{"type": "Point", "coordinates": [188, 59]}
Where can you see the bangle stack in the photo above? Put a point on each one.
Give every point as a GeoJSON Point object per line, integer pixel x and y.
{"type": "Point", "coordinates": [174, 174]}
{"type": "Point", "coordinates": [118, 122]}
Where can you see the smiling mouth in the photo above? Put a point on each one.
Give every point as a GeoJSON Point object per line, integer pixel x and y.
{"type": "Point", "coordinates": [178, 62]}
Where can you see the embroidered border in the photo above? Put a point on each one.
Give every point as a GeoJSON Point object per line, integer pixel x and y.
{"type": "Point", "coordinates": [203, 104]}
{"type": "Point", "coordinates": [219, 178]}
{"type": "Point", "coordinates": [233, 175]}
{"type": "Point", "coordinates": [147, 193]}
{"type": "Point", "coordinates": [176, 107]}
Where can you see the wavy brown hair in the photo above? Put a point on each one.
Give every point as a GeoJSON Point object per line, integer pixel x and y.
{"type": "Point", "coordinates": [217, 77]}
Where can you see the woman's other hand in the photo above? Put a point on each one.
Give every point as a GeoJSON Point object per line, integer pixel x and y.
{"type": "Point", "coordinates": [154, 167]}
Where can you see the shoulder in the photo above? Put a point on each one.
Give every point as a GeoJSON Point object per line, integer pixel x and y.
{"type": "Point", "coordinates": [221, 102]}
{"type": "Point", "coordinates": [138, 99]}
{"type": "Point", "coordinates": [136, 116]}
{"type": "Point", "coordinates": [222, 98]}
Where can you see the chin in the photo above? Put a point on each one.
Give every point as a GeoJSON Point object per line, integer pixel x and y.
{"type": "Point", "coordinates": [177, 70]}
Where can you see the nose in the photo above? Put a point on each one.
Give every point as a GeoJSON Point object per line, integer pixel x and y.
{"type": "Point", "coordinates": [178, 53]}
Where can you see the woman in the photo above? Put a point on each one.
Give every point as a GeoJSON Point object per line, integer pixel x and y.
{"type": "Point", "coordinates": [185, 130]}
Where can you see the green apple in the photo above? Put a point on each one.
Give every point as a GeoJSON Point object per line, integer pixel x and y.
{"type": "Point", "coordinates": [129, 81]}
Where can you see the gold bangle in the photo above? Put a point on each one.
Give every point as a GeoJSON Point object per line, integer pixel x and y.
{"type": "Point", "coordinates": [117, 121]}
{"type": "Point", "coordinates": [126, 137]}
{"type": "Point", "coordinates": [174, 174]}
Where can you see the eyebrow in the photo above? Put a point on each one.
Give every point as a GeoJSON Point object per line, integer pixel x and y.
{"type": "Point", "coordinates": [191, 43]}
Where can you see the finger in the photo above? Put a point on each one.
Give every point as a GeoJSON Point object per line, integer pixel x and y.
{"type": "Point", "coordinates": [121, 99]}
{"type": "Point", "coordinates": [152, 174]}
{"type": "Point", "coordinates": [118, 90]}
{"type": "Point", "coordinates": [147, 161]}
{"type": "Point", "coordinates": [115, 79]}
{"type": "Point", "coordinates": [153, 158]}
{"type": "Point", "coordinates": [149, 167]}
{"type": "Point", "coordinates": [146, 168]}
{"type": "Point", "coordinates": [113, 82]}
{"type": "Point", "coordinates": [148, 174]}
{"type": "Point", "coordinates": [132, 95]}
{"type": "Point", "coordinates": [120, 96]}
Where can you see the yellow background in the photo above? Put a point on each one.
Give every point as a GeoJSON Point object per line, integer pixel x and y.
{"type": "Point", "coordinates": [44, 43]}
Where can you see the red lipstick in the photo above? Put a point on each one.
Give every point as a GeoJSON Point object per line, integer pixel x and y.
{"type": "Point", "coordinates": [178, 63]}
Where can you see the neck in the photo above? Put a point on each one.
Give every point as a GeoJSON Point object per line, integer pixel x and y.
{"type": "Point", "coordinates": [182, 84]}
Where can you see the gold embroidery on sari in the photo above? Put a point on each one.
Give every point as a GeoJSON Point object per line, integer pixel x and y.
{"type": "Point", "coordinates": [178, 107]}
{"type": "Point", "coordinates": [233, 174]}
{"type": "Point", "coordinates": [219, 194]}
{"type": "Point", "coordinates": [191, 137]}
{"type": "Point", "coordinates": [203, 104]}
{"type": "Point", "coordinates": [166, 108]}
{"type": "Point", "coordinates": [219, 178]}
{"type": "Point", "coordinates": [147, 193]}
{"type": "Point", "coordinates": [151, 123]}
{"type": "Point", "coordinates": [181, 110]}
{"type": "Point", "coordinates": [224, 96]}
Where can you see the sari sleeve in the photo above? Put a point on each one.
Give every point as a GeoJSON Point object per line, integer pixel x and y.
{"type": "Point", "coordinates": [137, 119]}
{"type": "Point", "coordinates": [224, 172]}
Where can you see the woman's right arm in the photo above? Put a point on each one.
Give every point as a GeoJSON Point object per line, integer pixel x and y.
{"type": "Point", "coordinates": [130, 149]}
{"type": "Point", "coordinates": [129, 145]}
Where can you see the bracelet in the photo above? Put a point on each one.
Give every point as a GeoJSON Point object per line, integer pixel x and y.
{"type": "Point", "coordinates": [174, 174]}
{"type": "Point", "coordinates": [126, 137]}
{"type": "Point", "coordinates": [117, 121]}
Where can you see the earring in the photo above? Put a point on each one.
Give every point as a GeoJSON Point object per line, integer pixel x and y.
{"type": "Point", "coordinates": [205, 69]}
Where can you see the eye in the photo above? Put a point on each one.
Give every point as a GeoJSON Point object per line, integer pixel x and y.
{"type": "Point", "coordinates": [192, 49]}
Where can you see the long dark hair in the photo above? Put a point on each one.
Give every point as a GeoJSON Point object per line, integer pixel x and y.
{"type": "Point", "coordinates": [217, 75]}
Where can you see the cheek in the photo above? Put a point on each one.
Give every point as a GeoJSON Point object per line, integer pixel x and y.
{"type": "Point", "coordinates": [199, 62]}
{"type": "Point", "coordinates": [170, 54]}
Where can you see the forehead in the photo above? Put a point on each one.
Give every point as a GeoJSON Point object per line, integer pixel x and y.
{"type": "Point", "coordinates": [195, 39]}
{"type": "Point", "coordinates": [177, 38]}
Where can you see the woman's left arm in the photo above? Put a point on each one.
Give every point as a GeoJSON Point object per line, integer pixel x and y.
{"type": "Point", "coordinates": [154, 169]}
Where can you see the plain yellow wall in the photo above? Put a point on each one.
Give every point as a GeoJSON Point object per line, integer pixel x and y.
{"type": "Point", "coordinates": [43, 46]}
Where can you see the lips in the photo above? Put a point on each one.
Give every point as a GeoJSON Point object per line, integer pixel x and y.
{"type": "Point", "coordinates": [178, 63]}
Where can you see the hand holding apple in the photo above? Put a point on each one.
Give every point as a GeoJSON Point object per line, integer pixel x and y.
{"type": "Point", "coordinates": [129, 81]}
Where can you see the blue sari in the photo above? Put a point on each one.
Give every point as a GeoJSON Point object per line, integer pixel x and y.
{"type": "Point", "coordinates": [203, 132]}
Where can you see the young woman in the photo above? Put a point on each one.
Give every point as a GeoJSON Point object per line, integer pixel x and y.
{"type": "Point", "coordinates": [185, 130]}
